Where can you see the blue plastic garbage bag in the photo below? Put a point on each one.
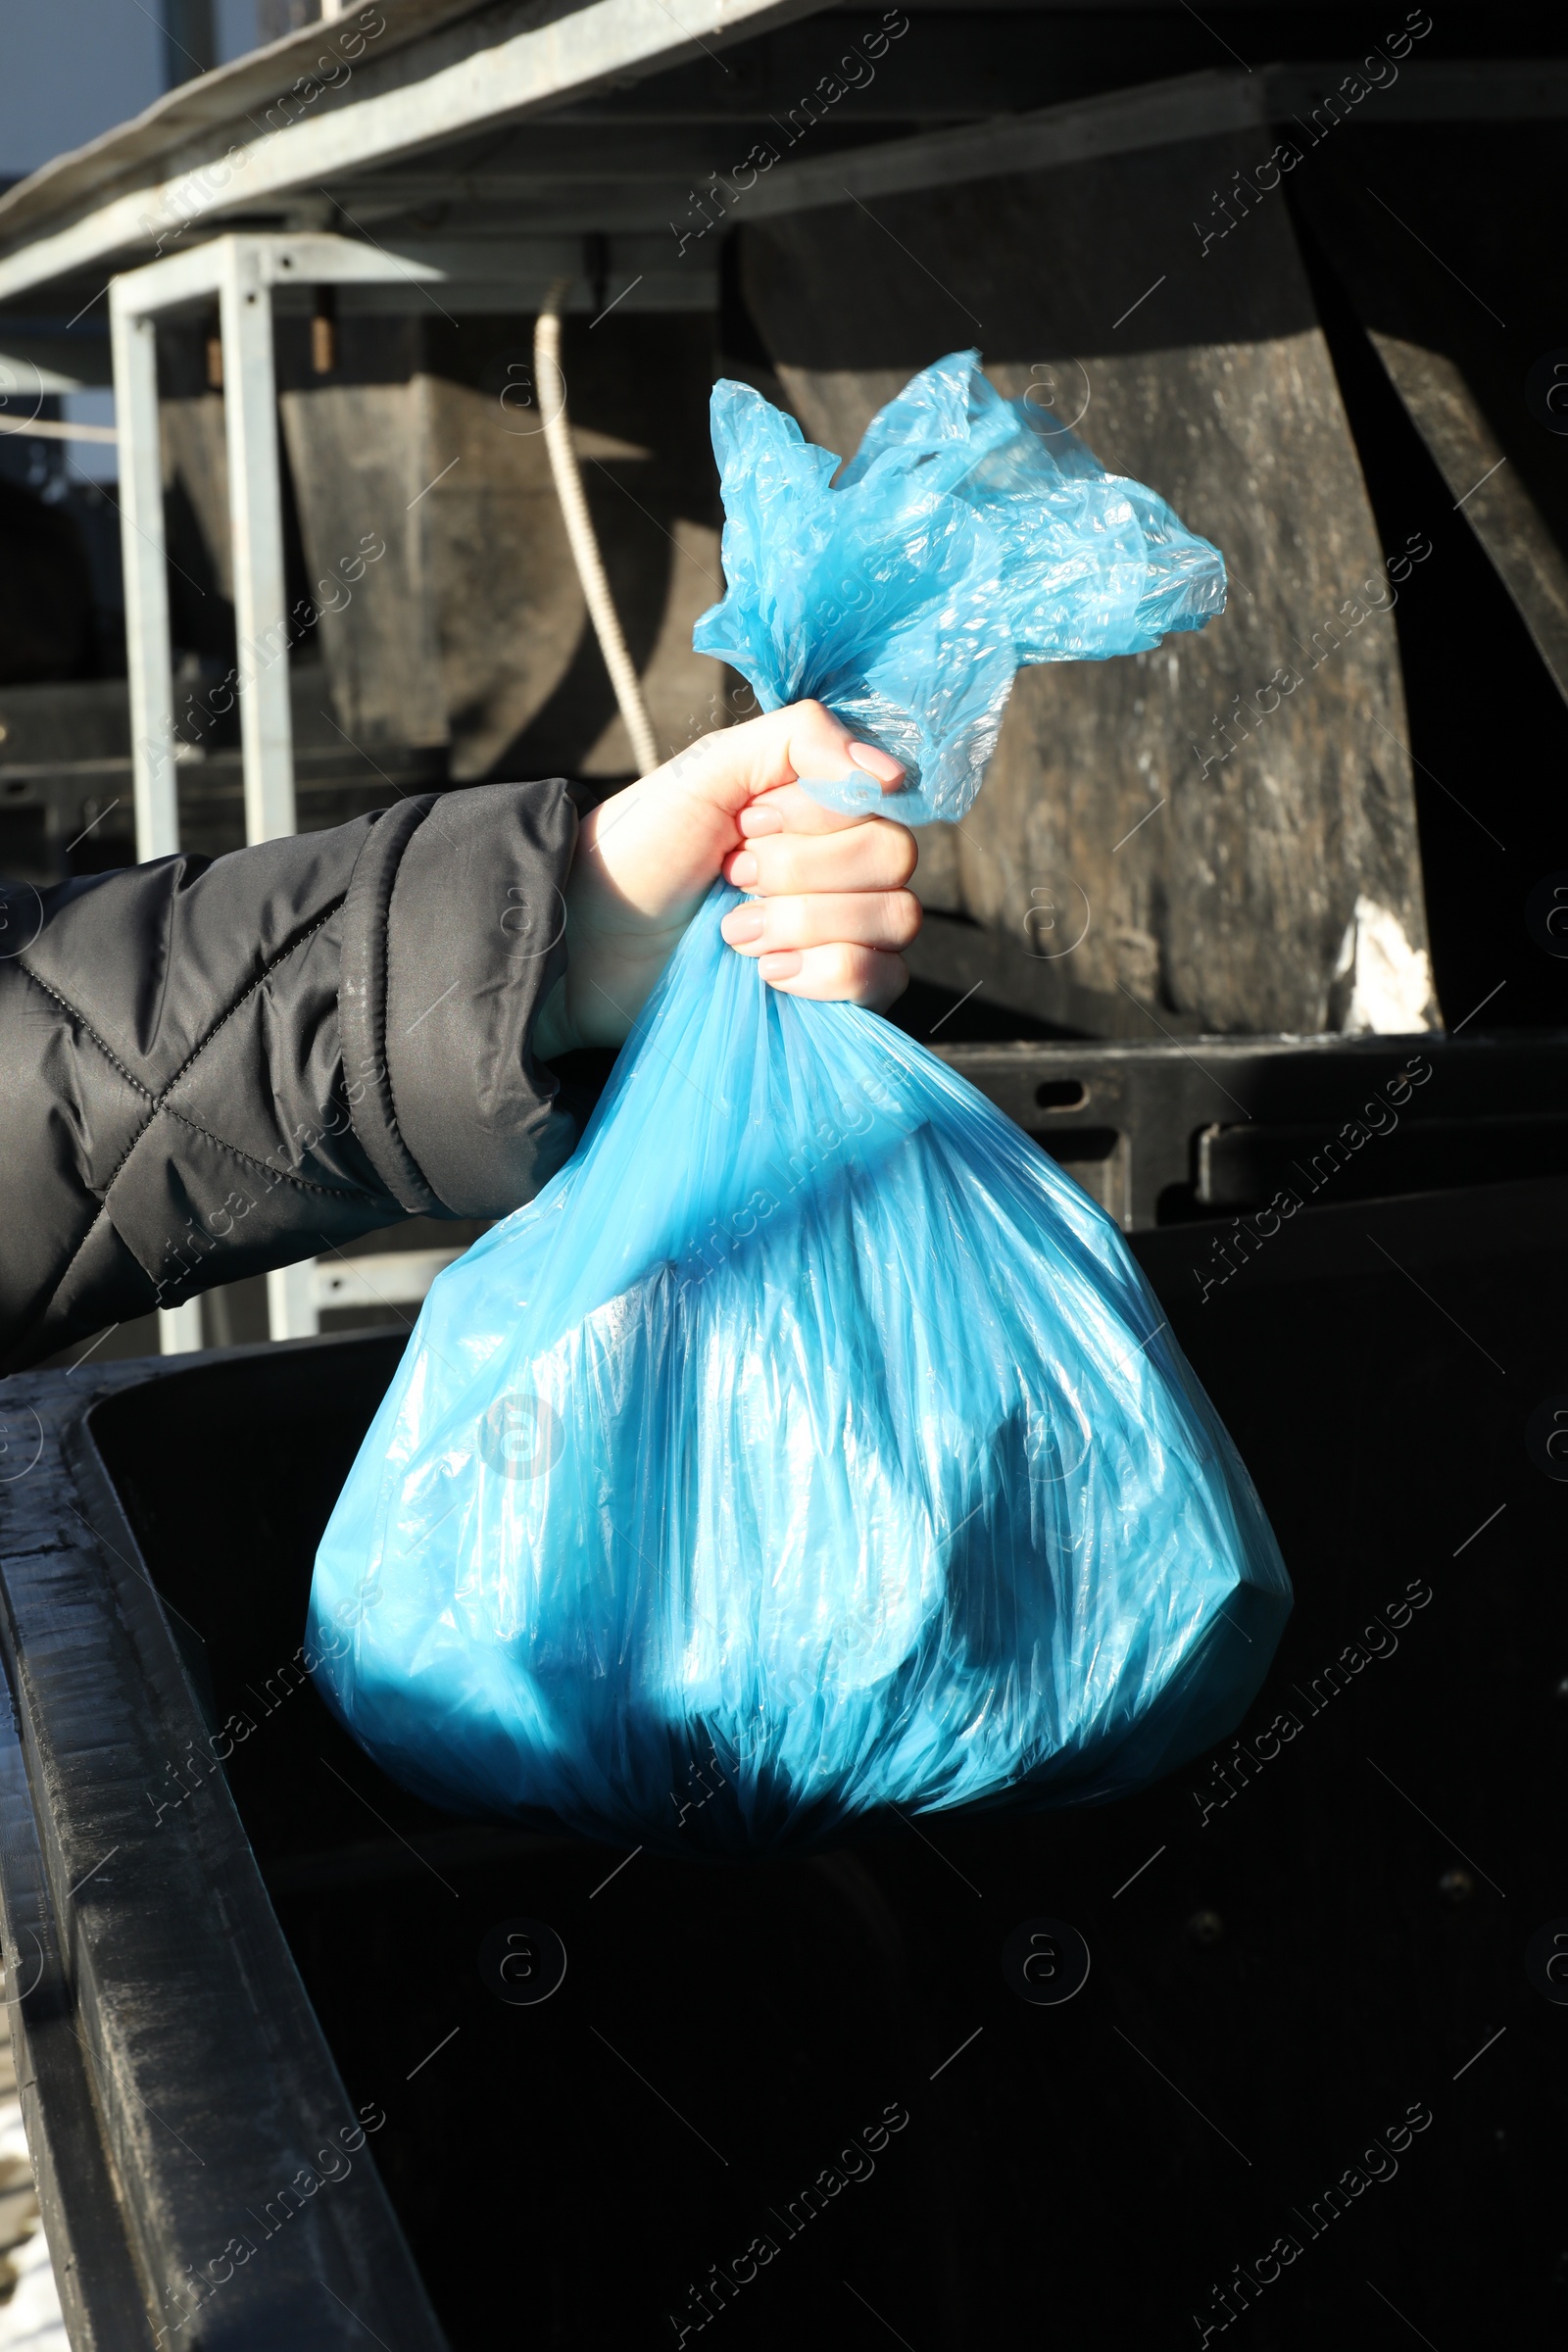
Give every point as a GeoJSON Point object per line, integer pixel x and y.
{"type": "Point", "coordinates": [811, 1444]}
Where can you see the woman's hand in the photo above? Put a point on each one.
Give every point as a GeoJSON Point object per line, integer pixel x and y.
{"type": "Point", "coordinates": [830, 909]}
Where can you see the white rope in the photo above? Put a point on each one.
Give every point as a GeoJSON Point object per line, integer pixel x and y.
{"type": "Point", "coordinates": [552, 389]}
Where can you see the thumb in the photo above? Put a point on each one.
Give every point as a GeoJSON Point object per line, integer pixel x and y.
{"type": "Point", "coordinates": [763, 755]}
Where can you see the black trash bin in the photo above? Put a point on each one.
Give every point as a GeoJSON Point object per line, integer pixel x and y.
{"type": "Point", "coordinates": [308, 2062]}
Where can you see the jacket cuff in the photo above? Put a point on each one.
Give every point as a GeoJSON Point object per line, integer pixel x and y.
{"type": "Point", "coordinates": [454, 935]}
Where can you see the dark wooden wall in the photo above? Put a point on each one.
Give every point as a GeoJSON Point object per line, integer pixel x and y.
{"type": "Point", "coordinates": [470, 631]}
{"type": "Point", "coordinates": [1232, 902]}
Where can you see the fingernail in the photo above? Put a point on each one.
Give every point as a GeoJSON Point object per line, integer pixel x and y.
{"type": "Point", "coordinates": [741, 869]}
{"type": "Point", "coordinates": [782, 964]}
{"type": "Point", "coordinates": [881, 765]}
{"type": "Point", "coordinates": [741, 924]}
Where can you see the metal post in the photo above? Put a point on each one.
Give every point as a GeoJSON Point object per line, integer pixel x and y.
{"type": "Point", "coordinates": [291, 1308]}
{"type": "Point", "coordinates": [179, 1329]}
{"type": "Point", "coordinates": [148, 661]}
{"type": "Point", "coordinates": [188, 44]}
{"type": "Point", "coordinates": [256, 522]}
{"type": "Point", "coordinates": [141, 508]}
{"type": "Point", "coordinates": [241, 271]}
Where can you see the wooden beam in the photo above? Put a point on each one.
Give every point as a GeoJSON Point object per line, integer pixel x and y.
{"type": "Point", "coordinates": [1159, 114]}
{"type": "Point", "coordinates": [1487, 491]}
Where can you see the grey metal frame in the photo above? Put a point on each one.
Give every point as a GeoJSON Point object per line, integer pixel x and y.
{"type": "Point", "coordinates": [242, 273]}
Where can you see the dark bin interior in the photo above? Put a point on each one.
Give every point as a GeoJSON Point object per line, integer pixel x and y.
{"type": "Point", "coordinates": [1275, 1983]}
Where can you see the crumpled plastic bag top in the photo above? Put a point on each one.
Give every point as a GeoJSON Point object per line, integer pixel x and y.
{"type": "Point", "coordinates": [968, 537]}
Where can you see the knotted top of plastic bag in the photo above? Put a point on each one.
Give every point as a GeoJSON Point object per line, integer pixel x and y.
{"type": "Point", "coordinates": [968, 536]}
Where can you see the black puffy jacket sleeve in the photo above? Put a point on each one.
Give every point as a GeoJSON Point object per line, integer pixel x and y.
{"type": "Point", "coordinates": [209, 1068]}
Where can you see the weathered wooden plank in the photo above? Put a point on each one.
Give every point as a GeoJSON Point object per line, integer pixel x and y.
{"type": "Point", "coordinates": [195, 461]}
{"type": "Point", "coordinates": [1224, 803]}
{"type": "Point", "coordinates": [355, 452]}
{"type": "Point", "coordinates": [1457, 300]}
{"type": "Point", "coordinates": [1487, 491]}
{"type": "Point", "coordinates": [468, 627]}
{"type": "Point", "coordinates": [523, 680]}
{"type": "Point", "coordinates": [1003, 969]}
